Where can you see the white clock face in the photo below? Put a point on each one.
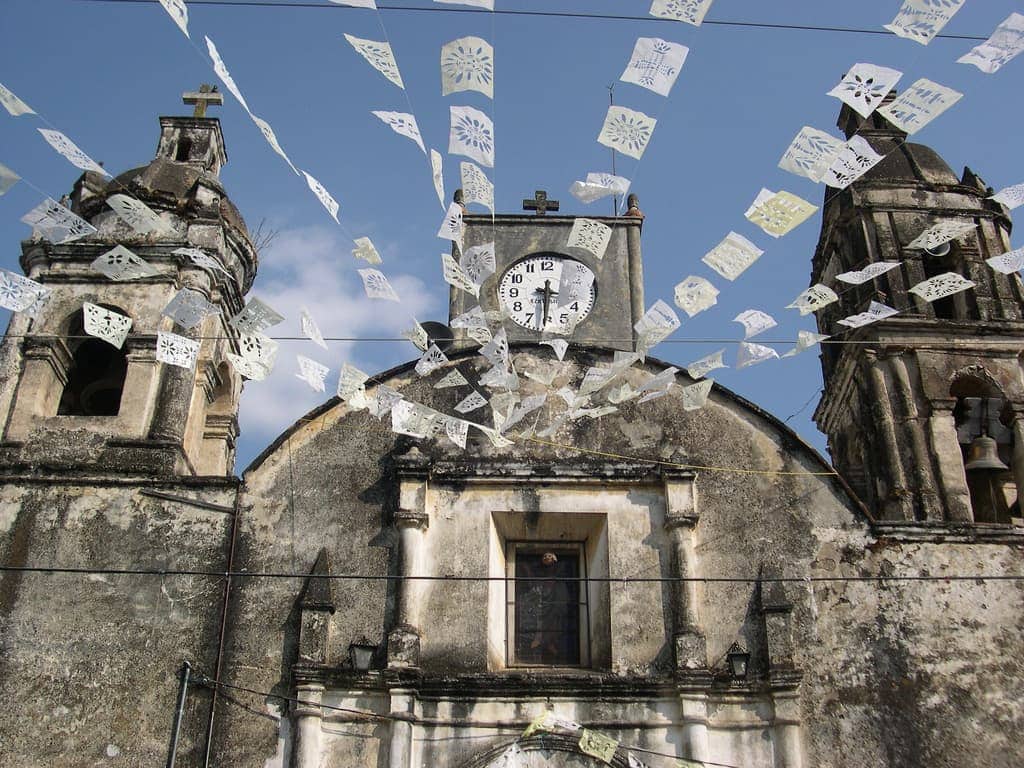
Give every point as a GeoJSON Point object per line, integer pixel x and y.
{"type": "Point", "coordinates": [531, 286]}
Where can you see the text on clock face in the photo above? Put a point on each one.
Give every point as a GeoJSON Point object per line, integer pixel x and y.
{"type": "Point", "coordinates": [530, 293]}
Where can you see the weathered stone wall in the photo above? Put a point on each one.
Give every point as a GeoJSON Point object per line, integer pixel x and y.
{"type": "Point", "coordinates": [89, 662]}
{"type": "Point", "coordinates": [895, 673]}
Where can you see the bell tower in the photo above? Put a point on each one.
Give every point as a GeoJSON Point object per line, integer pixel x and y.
{"type": "Point", "coordinates": [924, 411]}
{"type": "Point", "coordinates": [531, 253]}
{"type": "Point", "coordinates": [74, 403]}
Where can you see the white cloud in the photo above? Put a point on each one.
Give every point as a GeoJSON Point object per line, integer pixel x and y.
{"type": "Point", "coordinates": [313, 268]}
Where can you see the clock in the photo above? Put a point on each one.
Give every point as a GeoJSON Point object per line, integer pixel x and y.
{"type": "Point", "coordinates": [528, 291]}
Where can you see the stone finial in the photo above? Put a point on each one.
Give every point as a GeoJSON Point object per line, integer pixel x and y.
{"type": "Point", "coordinates": [633, 207]}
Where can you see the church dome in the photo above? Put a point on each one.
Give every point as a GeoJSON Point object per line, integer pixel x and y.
{"type": "Point", "coordinates": [911, 162]}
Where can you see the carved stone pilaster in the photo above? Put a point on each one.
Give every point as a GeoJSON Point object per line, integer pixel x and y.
{"type": "Point", "coordinates": [412, 520]}
{"type": "Point", "coordinates": [681, 519]}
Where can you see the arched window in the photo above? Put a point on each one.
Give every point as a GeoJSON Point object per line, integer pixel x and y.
{"type": "Point", "coordinates": [96, 375]}
{"type": "Point", "coordinates": [937, 261]}
{"type": "Point", "coordinates": [986, 446]}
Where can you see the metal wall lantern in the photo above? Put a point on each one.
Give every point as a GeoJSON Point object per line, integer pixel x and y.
{"type": "Point", "coordinates": [738, 659]}
{"type": "Point", "coordinates": [360, 653]}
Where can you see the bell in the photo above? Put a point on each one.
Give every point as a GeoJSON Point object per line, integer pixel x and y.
{"type": "Point", "coordinates": [983, 456]}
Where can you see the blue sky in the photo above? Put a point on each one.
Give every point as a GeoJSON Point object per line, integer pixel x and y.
{"type": "Point", "coordinates": [102, 72]}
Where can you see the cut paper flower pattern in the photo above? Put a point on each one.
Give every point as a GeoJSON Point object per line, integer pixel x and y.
{"type": "Point", "coordinates": [941, 286]}
{"type": "Point", "coordinates": [366, 251]}
{"type": "Point", "coordinates": [137, 215]}
{"type": "Point", "coordinates": [106, 324]}
{"type": "Point", "coordinates": [471, 402]}
{"type": "Point", "coordinates": [1011, 197]}
{"type": "Point", "coordinates": [690, 11]}
{"type": "Point", "coordinates": [467, 64]}
{"type": "Point", "coordinates": [811, 153]}
{"type": "Point", "coordinates": [478, 262]}
{"type": "Point", "coordinates": [476, 187]}
{"type": "Point", "coordinates": [71, 152]}
{"type": "Point", "coordinates": [922, 20]}
{"type": "Point", "coordinates": [695, 294]}
{"type": "Point", "coordinates": [917, 106]}
{"type": "Point", "coordinates": [779, 213]}
{"type": "Point", "coordinates": [310, 329]}
{"type": "Point", "coordinates": [854, 160]}
{"type": "Point", "coordinates": [201, 259]}
{"type": "Point", "coordinates": [870, 272]}
{"type": "Point", "coordinates": [377, 286]}
{"type": "Point", "coordinates": [437, 174]}
{"type": "Point", "coordinates": [805, 340]}
{"type": "Point", "coordinates": [14, 106]}
{"type": "Point", "coordinates": [56, 223]}
{"type": "Point", "coordinates": [379, 56]}
{"type": "Point", "coordinates": [188, 308]}
{"type": "Point", "coordinates": [432, 359]}
{"type": "Point", "coordinates": [754, 321]}
{"type": "Point", "coordinates": [814, 298]}
{"type": "Point", "coordinates": [323, 196]}
{"type": "Point", "coordinates": [403, 124]}
{"type": "Point", "coordinates": [176, 350]}
{"type": "Point", "coordinates": [627, 131]}
{"type": "Point", "coordinates": [695, 396]}
{"type": "Point", "coordinates": [590, 235]}
{"type": "Point", "coordinates": [471, 134]}
{"type": "Point", "coordinates": [941, 233]}
{"type": "Point", "coordinates": [655, 64]}
{"type": "Point", "coordinates": [178, 12]}
{"type": "Point", "coordinates": [874, 313]}
{"type": "Point", "coordinates": [19, 293]}
{"type": "Point", "coordinates": [698, 369]}
{"type": "Point", "coordinates": [865, 86]}
{"type": "Point", "coordinates": [732, 256]}
{"type": "Point", "coordinates": [313, 373]}
{"type": "Point", "coordinates": [1007, 263]}
{"type": "Point", "coordinates": [752, 354]}
{"type": "Point", "coordinates": [222, 72]}
{"type": "Point", "coordinates": [121, 264]}
{"type": "Point", "coordinates": [1006, 43]}
{"type": "Point", "coordinates": [256, 316]}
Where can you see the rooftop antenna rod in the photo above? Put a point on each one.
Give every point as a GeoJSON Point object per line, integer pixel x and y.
{"type": "Point", "coordinates": [611, 102]}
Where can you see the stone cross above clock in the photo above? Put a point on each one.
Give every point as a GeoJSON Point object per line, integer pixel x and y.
{"type": "Point", "coordinates": [540, 203]}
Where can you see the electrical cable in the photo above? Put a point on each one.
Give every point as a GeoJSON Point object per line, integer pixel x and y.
{"type": "Point", "coordinates": [549, 14]}
{"type": "Point", "coordinates": [190, 573]}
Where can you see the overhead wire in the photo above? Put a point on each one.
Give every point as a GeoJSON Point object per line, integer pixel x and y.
{"type": "Point", "coordinates": [549, 14]}
{"type": "Point", "coordinates": [287, 575]}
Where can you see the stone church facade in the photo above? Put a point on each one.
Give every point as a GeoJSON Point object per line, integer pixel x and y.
{"type": "Point", "coordinates": [363, 599]}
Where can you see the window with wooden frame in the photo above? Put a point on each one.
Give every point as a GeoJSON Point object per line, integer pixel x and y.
{"type": "Point", "coordinates": [547, 610]}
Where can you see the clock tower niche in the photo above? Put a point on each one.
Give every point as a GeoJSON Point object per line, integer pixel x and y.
{"type": "Point", "coordinates": [531, 251]}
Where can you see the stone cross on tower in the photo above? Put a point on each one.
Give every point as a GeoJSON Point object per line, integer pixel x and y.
{"type": "Point", "coordinates": [205, 96]}
{"type": "Point", "coordinates": [540, 203]}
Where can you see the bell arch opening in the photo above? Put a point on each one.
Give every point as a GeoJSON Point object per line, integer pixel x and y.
{"type": "Point", "coordinates": [96, 376]}
{"type": "Point", "coordinates": [986, 447]}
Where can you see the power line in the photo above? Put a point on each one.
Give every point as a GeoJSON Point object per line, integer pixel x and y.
{"type": "Point", "coordinates": [389, 339]}
{"type": "Point", "coordinates": [164, 572]}
{"type": "Point", "coordinates": [549, 14]}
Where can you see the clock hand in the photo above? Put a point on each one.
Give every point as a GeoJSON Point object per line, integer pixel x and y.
{"type": "Point", "coordinates": [548, 293]}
